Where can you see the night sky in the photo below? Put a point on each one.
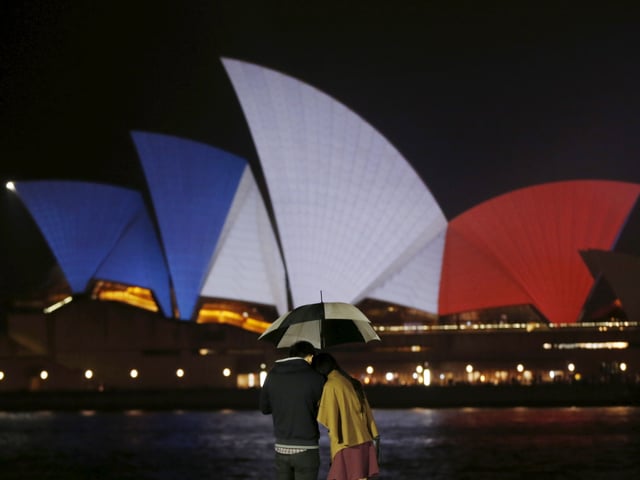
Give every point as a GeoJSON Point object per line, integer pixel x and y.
{"type": "Point", "coordinates": [480, 101]}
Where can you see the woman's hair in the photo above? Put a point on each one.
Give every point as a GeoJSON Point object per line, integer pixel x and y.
{"type": "Point", "coordinates": [325, 363]}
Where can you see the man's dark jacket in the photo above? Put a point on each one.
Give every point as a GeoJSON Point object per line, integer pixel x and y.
{"type": "Point", "coordinates": [291, 394]}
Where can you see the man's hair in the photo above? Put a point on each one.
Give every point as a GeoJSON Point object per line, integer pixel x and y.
{"type": "Point", "coordinates": [301, 349]}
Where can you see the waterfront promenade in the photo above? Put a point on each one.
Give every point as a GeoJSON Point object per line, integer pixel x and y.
{"type": "Point", "coordinates": [552, 395]}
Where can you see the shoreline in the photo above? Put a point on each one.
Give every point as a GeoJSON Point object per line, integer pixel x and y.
{"type": "Point", "coordinates": [388, 397]}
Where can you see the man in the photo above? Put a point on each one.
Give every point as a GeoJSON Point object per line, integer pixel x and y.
{"type": "Point", "coordinates": [291, 394]}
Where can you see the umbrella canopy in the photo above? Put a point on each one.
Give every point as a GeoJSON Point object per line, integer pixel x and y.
{"type": "Point", "coordinates": [322, 324]}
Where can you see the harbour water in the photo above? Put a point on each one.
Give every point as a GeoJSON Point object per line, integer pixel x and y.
{"type": "Point", "coordinates": [463, 443]}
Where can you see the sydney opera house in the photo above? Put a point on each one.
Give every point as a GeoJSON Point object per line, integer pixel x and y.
{"type": "Point", "coordinates": [171, 286]}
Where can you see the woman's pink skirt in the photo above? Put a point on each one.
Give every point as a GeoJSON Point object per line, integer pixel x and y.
{"type": "Point", "coordinates": [354, 462]}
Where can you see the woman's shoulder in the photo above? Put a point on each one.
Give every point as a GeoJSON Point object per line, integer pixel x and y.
{"type": "Point", "coordinates": [338, 380]}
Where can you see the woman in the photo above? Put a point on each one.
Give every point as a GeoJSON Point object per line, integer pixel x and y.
{"type": "Point", "coordinates": [345, 412]}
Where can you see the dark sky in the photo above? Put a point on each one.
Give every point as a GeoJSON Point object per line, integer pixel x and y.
{"type": "Point", "coordinates": [480, 100]}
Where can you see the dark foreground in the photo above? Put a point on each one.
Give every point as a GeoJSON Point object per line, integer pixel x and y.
{"type": "Point", "coordinates": [586, 443]}
{"type": "Point", "coordinates": [544, 395]}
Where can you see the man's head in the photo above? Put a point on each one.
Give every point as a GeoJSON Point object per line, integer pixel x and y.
{"type": "Point", "coordinates": [302, 349]}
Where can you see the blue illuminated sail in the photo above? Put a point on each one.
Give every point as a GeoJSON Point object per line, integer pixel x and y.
{"type": "Point", "coordinates": [192, 186]}
{"type": "Point", "coordinates": [98, 231]}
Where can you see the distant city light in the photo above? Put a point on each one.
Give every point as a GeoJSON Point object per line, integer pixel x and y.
{"type": "Point", "coordinates": [370, 370]}
{"type": "Point", "coordinates": [180, 373]}
{"type": "Point", "coordinates": [571, 367]}
{"type": "Point", "coordinates": [1, 375]}
{"type": "Point", "coordinates": [520, 368]}
{"type": "Point", "coordinates": [469, 368]}
{"type": "Point", "coordinates": [133, 373]}
{"type": "Point", "coordinates": [587, 346]}
{"type": "Point", "coordinates": [88, 374]}
{"type": "Point", "coordinates": [44, 374]}
{"type": "Point", "coordinates": [419, 368]}
{"type": "Point", "coordinates": [623, 367]}
{"type": "Point", "coordinates": [57, 305]}
{"type": "Point", "coordinates": [226, 372]}
{"type": "Point", "coordinates": [426, 377]}
{"type": "Point", "coordinates": [251, 380]}
{"type": "Point", "coordinates": [389, 376]}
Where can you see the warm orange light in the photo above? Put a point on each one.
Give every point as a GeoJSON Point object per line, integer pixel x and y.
{"type": "Point", "coordinates": [132, 295]}
{"type": "Point", "coordinates": [230, 314]}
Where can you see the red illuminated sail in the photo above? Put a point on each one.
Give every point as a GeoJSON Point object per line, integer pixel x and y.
{"type": "Point", "coordinates": [523, 247]}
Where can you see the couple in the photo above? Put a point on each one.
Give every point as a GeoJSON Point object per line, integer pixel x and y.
{"type": "Point", "coordinates": [306, 388]}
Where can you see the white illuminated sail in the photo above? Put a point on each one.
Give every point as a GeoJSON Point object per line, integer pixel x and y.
{"type": "Point", "coordinates": [350, 210]}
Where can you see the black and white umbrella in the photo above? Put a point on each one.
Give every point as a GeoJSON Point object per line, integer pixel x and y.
{"type": "Point", "coordinates": [322, 324]}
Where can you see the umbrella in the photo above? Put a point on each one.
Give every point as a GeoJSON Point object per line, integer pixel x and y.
{"type": "Point", "coordinates": [323, 324]}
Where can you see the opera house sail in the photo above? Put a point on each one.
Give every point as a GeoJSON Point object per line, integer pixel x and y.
{"type": "Point", "coordinates": [351, 212]}
{"type": "Point", "coordinates": [533, 285]}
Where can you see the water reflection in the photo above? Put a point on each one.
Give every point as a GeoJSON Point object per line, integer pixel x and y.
{"type": "Point", "coordinates": [515, 443]}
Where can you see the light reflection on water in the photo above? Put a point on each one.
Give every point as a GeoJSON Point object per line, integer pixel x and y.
{"type": "Point", "coordinates": [512, 443]}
